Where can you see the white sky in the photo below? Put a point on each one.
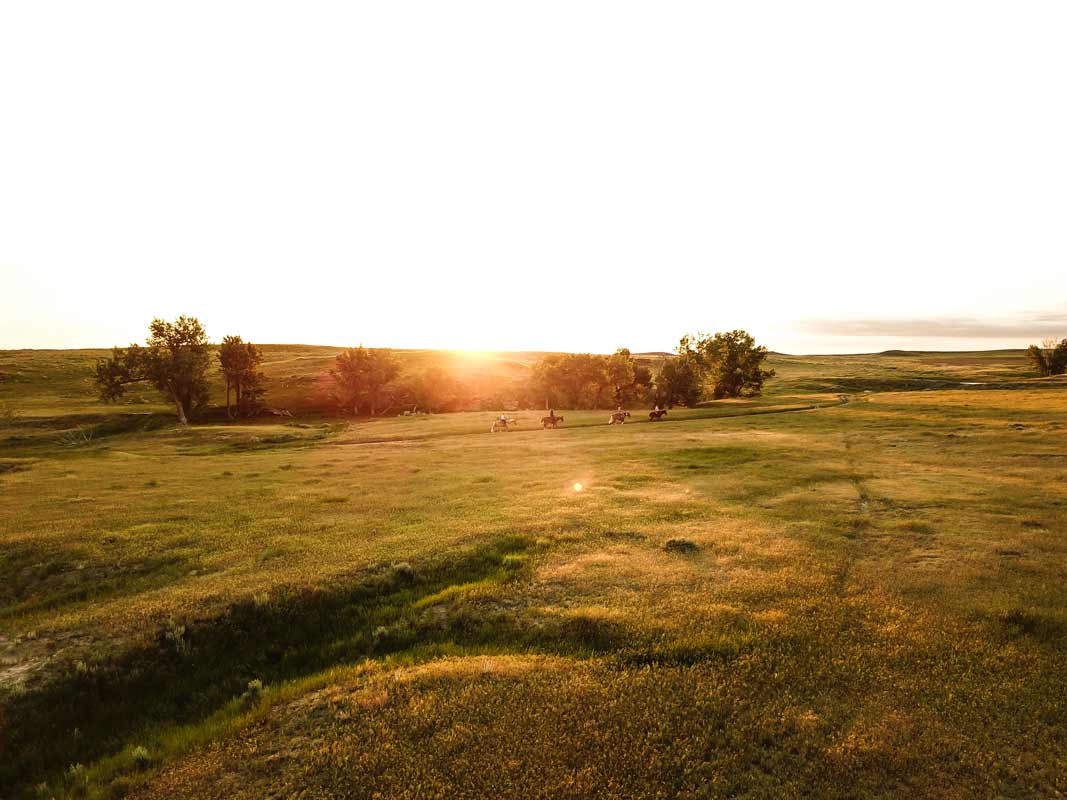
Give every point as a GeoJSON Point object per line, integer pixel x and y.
{"type": "Point", "coordinates": [558, 175]}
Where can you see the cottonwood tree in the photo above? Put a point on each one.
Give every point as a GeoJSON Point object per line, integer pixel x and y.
{"type": "Point", "coordinates": [571, 380]}
{"type": "Point", "coordinates": [1038, 359]}
{"type": "Point", "coordinates": [434, 389]}
{"type": "Point", "coordinates": [622, 373]}
{"type": "Point", "coordinates": [175, 360]}
{"type": "Point", "coordinates": [364, 379]}
{"type": "Point", "coordinates": [731, 363]}
{"type": "Point", "coordinates": [588, 380]}
{"type": "Point", "coordinates": [678, 383]}
{"type": "Point", "coordinates": [1057, 363]}
{"type": "Point", "coordinates": [240, 361]}
{"type": "Point", "coordinates": [547, 379]}
{"type": "Point", "coordinates": [1050, 358]}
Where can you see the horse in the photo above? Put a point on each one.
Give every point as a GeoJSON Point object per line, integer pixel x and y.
{"type": "Point", "coordinates": [503, 424]}
{"type": "Point", "coordinates": [550, 422]}
{"type": "Point", "coordinates": [618, 418]}
{"type": "Point", "coordinates": [659, 413]}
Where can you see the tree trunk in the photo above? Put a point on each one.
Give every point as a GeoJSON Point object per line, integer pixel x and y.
{"type": "Point", "coordinates": [229, 413]}
{"type": "Point", "coordinates": [181, 411]}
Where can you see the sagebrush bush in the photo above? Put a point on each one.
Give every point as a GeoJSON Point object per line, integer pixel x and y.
{"type": "Point", "coordinates": [174, 635]}
{"type": "Point", "coordinates": [403, 572]}
{"type": "Point", "coordinates": [141, 758]}
{"type": "Point", "coordinates": [252, 692]}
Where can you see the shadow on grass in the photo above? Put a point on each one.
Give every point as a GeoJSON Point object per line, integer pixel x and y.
{"type": "Point", "coordinates": [191, 670]}
{"type": "Point", "coordinates": [194, 669]}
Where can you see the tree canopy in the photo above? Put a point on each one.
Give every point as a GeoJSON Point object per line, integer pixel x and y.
{"type": "Point", "coordinates": [240, 361]}
{"type": "Point", "coordinates": [364, 379]}
{"type": "Point", "coordinates": [730, 364]}
{"type": "Point", "coordinates": [587, 380]}
{"type": "Point", "coordinates": [1050, 358]}
{"type": "Point", "coordinates": [678, 383]}
{"type": "Point", "coordinates": [175, 360]}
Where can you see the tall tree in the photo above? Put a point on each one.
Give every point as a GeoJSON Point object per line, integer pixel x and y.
{"type": "Point", "coordinates": [677, 383]}
{"type": "Point", "coordinates": [643, 386]}
{"type": "Point", "coordinates": [548, 380]}
{"type": "Point", "coordinates": [1036, 356]}
{"type": "Point", "coordinates": [175, 360]}
{"type": "Point", "coordinates": [436, 389]}
{"type": "Point", "coordinates": [240, 362]}
{"type": "Point", "coordinates": [364, 379]}
{"type": "Point", "coordinates": [622, 373]}
{"type": "Point", "coordinates": [590, 380]}
{"type": "Point", "coordinates": [731, 363]}
{"type": "Point", "coordinates": [1057, 362]}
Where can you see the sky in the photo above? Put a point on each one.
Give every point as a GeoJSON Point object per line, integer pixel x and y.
{"type": "Point", "coordinates": [580, 176]}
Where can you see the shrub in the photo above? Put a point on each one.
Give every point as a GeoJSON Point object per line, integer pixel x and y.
{"type": "Point", "coordinates": [403, 572]}
{"type": "Point", "coordinates": [174, 635]}
{"type": "Point", "coordinates": [252, 693]}
{"type": "Point", "coordinates": [141, 758]}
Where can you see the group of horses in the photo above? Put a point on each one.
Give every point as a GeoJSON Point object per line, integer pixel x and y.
{"type": "Point", "coordinates": [619, 417]}
{"type": "Point", "coordinates": [505, 423]}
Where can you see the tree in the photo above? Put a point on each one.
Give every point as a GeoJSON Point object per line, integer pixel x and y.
{"type": "Point", "coordinates": [730, 363]}
{"type": "Point", "coordinates": [435, 389]}
{"type": "Point", "coordinates": [240, 362]}
{"type": "Point", "coordinates": [174, 360]}
{"type": "Point", "coordinates": [1057, 362]}
{"type": "Point", "coordinates": [589, 379]}
{"type": "Point", "coordinates": [364, 378]}
{"type": "Point", "coordinates": [1050, 358]}
{"type": "Point", "coordinates": [548, 379]}
{"type": "Point", "coordinates": [622, 374]}
{"type": "Point", "coordinates": [677, 383]}
{"type": "Point", "coordinates": [1036, 356]}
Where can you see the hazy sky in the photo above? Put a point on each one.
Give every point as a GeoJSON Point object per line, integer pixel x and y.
{"type": "Point", "coordinates": [557, 175]}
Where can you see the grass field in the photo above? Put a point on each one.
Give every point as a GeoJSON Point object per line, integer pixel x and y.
{"type": "Point", "coordinates": [854, 586]}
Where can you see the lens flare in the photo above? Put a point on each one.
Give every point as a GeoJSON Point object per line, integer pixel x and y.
{"type": "Point", "coordinates": [578, 487]}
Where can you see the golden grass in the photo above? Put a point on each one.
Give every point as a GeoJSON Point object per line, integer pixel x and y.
{"type": "Point", "coordinates": [874, 607]}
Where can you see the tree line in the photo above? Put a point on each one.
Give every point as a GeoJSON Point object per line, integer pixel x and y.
{"type": "Point", "coordinates": [704, 367]}
{"type": "Point", "coordinates": [176, 360]}
{"type": "Point", "coordinates": [1048, 358]}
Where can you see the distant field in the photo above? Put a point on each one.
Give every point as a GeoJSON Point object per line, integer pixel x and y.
{"type": "Point", "coordinates": [854, 586]}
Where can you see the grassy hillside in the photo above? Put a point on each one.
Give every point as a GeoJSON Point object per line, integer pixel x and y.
{"type": "Point", "coordinates": [56, 383]}
{"type": "Point", "coordinates": [44, 383]}
{"type": "Point", "coordinates": [795, 595]}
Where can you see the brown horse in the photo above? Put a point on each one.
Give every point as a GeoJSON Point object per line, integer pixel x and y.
{"type": "Point", "coordinates": [659, 413]}
{"type": "Point", "coordinates": [550, 422]}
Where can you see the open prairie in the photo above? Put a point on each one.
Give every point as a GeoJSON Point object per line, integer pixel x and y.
{"type": "Point", "coordinates": [853, 586]}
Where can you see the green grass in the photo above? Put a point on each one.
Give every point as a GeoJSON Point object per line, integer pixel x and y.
{"type": "Point", "coordinates": [874, 603]}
